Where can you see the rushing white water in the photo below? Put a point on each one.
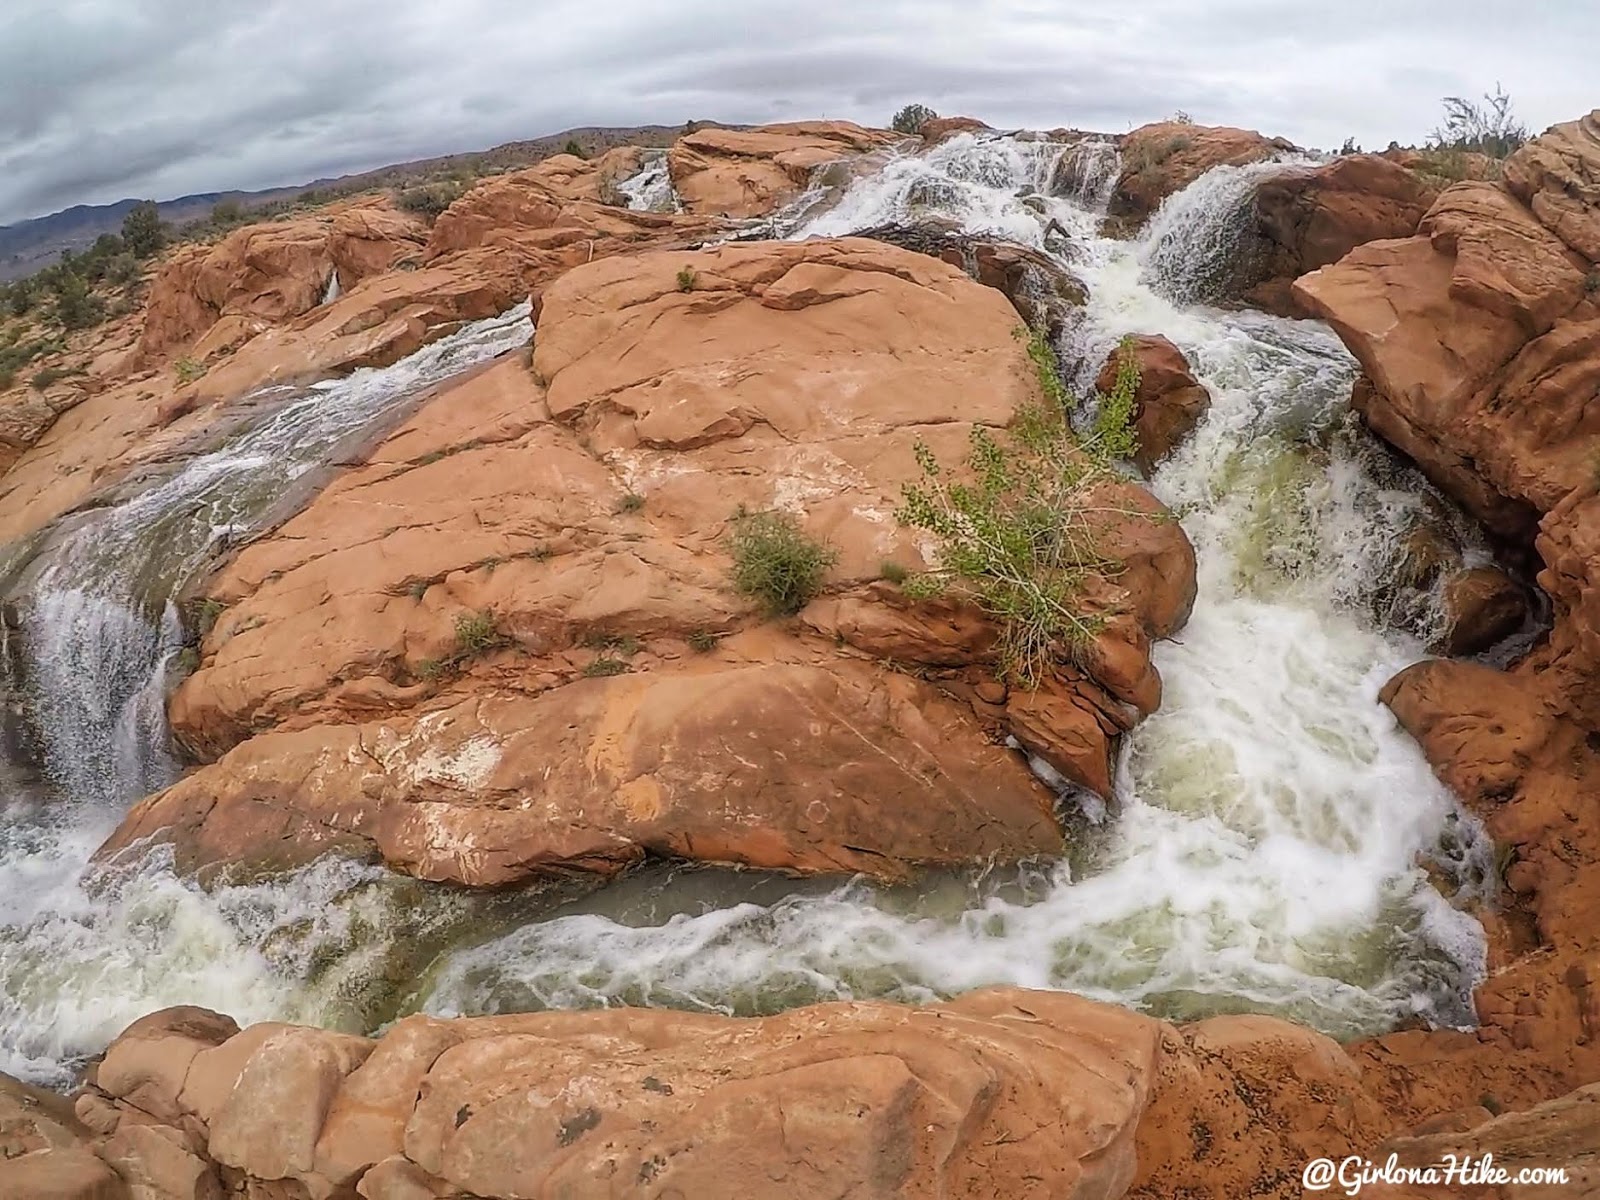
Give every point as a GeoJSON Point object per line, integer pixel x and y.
{"type": "Point", "coordinates": [650, 188]}
{"type": "Point", "coordinates": [1261, 853]}
{"type": "Point", "coordinates": [1264, 850]}
{"type": "Point", "coordinates": [82, 950]}
{"type": "Point", "coordinates": [332, 292]}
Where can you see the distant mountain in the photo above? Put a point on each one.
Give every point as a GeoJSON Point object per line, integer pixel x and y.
{"type": "Point", "coordinates": [27, 246]}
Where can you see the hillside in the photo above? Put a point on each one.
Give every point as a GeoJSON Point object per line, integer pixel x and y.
{"type": "Point", "coordinates": [26, 246]}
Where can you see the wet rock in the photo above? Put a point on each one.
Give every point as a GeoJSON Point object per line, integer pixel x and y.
{"type": "Point", "coordinates": [937, 129]}
{"type": "Point", "coordinates": [1479, 338]}
{"type": "Point", "coordinates": [787, 373]}
{"type": "Point", "coordinates": [1166, 157]}
{"type": "Point", "coordinates": [832, 768]}
{"type": "Point", "coordinates": [1309, 218]}
{"type": "Point", "coordinates": [750, 173]}
{"type": "Point", "coordinates": [1483, 605]}
{"type": "Point", "coordinates": [1045, 294]}
{"type": "Point", "coordinates": [1170, 402]}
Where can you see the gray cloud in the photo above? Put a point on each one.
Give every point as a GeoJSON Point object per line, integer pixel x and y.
{"type": "Point", "coordinates": [104, 99]}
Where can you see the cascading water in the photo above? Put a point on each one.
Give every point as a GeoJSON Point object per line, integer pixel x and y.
{"type": "Point", "coordinates": [1262, 854]}
{"type": "Point", "coordinates": [83, 950]}
{"type": "Point", "coordinates": [1264, 851]}
{"type": "Point", "coordinates": [650, 189]}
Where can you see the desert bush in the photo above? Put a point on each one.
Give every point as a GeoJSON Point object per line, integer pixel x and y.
{"type": "Point", "coordinates": [43, 379]}
{"type": "Point", "coordinates": [1016, 522]}
{"type": "Point", "coordinates": [76, 306]}
{"type": "Point", "coordinates": [428, 200]}
{"type": "Point", "coordinates": [1487, 128]}
{"type": "Point", "coordinates": [686, 278]}
{"type": "Point", "coordinates": [911, 118]}
{"type": "Point", "coordinates": [775, 562]}
{"type": "Point", "coordinates": [475, 633]}
{"type": "Point", "coordinates": [188, 370]}
{"type": "Point", "coordinates": [143, 230]}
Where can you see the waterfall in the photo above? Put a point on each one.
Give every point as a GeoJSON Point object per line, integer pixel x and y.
{"type": "Point", "coordinates": [1198, 243]}
{"type": "Point", "coordinates": [83, 950]}
{"type": "Point", "coordinates": [332, 291]}
{"type": "Point", "coordinates": [650, 188]}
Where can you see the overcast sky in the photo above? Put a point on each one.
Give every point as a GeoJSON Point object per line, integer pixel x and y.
{"type": "Point", "coordinates": [105, 99]}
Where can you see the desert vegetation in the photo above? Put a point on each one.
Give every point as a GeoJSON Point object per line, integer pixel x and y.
{"type": "Point", "coordinates": [1016, 523]}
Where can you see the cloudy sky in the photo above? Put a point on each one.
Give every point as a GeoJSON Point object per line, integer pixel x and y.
{"type": "Point", "coordinates": [104, 99]}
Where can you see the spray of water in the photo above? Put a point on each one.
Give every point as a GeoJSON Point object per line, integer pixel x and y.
{"type": "Point", "coordinates": [650, 188]}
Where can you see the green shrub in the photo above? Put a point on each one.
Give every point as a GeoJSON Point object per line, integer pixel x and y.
{"type": "Point", "coordinates": [686, 279]}
{"type": "Point", "coordinates": [632, 502]}
{"type": "Point", "coordinates": [774, 562]}
{"type": "Point", "coordinates": [225, 214]}
{"type": "Point", "coordinates": [911, 118]}
{"type": "Point", "coordinates": [1591, 282]}
{"type": "Point", "coordinates": [188, 370]}
{"type": "Point", "coordinates": [624, 644]}
{"type": "Point", "coordinates": [573, 148]}
{"type": "Point", "coordinates": [475, 633]}
{"type": "Point", "coordinates": [605, 665]}
{"type": "Point", "coordinates": [893, 572]}
{"type": "Point", "coordinates": [430, 199]}
{"type": "Point", "coordinates": [1016, 524]}
{"type": "Point", "coordinates": [207, 613]}
{"type": "Point", "coordinates": [49, 375]}
{"type": "Point", "coordinates": [1488, 128]}
{"type": "Point", "coordinates": [703, 641]}
{"type": "Point", "coordinates": [143, 230]}
{"type": "Point", "coordinates": [76, 306]}
{"type": "Point", "coordinates": [1114, 436]}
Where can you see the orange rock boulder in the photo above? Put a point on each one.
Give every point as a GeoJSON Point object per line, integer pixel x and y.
{"type": "Point", "coordinates": [1169, 403]}
{"type": "Point", "coordinates": [1306, 218]}
{"type": "Point", "coordinates": [571, 515]}
{"type": "Point", "coordinates": [749, 173]}
{"type": "Point", "coordinates": [1167, 156]}
{"type": "Point", "coordinates": [274, 272]}
{"type": "Point", "coordinates": [1002, 1092]}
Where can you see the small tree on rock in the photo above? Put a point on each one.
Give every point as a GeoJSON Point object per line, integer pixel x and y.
{"type": "Point", "coordinates": [911, 118]}
{"type": "Point", "coordinates": [143, 230]}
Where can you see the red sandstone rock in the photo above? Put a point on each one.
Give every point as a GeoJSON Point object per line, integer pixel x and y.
{"type": "Point", "coordinates": [749, 173]}
{"type": "Point", "coordinates": [1167, 156]}
{"type": "Point", "coordinates": [1170, 401]}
